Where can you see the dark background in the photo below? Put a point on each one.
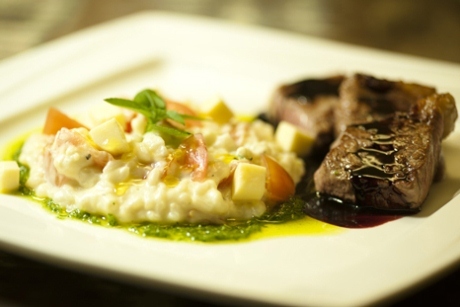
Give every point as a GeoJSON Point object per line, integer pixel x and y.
{"type": "Point", "coordinates": [419, 27]}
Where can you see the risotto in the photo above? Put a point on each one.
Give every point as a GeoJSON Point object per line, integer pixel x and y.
{"type": "Point", "coordinates": [193, 165]}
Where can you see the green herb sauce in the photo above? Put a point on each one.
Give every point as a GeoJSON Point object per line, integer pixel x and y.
{"type": "Point", "coordinates": [286, 219]}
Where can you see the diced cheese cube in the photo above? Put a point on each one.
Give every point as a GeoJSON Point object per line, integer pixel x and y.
{"type": "Point", "coordinates": [218, 111]}
{"type": "Point", "coordinates": [104, 112]}
{"type": "Point", "coordinates": [9, 176]}
{"type": "Point", "coordinates": [291, 138]}
{"type": "Point", "coordinates": [248, 182]}
{"type": "Point", "coordinates": [110, 137]}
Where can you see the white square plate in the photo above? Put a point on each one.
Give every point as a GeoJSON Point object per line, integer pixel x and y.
{"type": "Point", "coordinates": [195, 58]}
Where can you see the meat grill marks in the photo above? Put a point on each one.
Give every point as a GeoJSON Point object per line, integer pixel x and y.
{"type": "Point", "coordinates": [386, 164]}
{"type": "Point", "coordinates": [308, 104]}
{"type": "Point", "coordinates": [387, 148]}
{"type": "Point", "coordinates": [389, 152]}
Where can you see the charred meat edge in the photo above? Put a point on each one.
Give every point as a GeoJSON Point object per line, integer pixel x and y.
{"type": "Point", "coordinates": [389, 163]}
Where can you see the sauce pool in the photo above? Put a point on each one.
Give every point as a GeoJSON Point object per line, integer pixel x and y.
{"type": "Point", "coordinates": [334, 211]}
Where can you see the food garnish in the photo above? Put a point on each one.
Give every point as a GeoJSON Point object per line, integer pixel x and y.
{"type": "Point", "coordinates": [153, 107]}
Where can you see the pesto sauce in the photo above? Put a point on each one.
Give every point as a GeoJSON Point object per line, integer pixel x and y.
{"type": "Point", "coordinates": [229, 231]}
{"type": "Point", "coordinates": [287, 219]}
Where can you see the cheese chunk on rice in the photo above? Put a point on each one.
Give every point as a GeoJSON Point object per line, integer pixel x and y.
{"type": "Point", "coordinates": [154, 181]}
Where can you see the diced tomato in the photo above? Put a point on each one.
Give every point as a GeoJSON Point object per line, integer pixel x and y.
{"type": "Point", "coordinates": [191, 157]}
{"type": "Point", "coordinates": [280, 185]}
{"type": "Point", "coordinates": [227, 182]}
{"type": "Point", "coordinates": [55, 120]}
{"type": "Point", "coordinates": [182, 109]}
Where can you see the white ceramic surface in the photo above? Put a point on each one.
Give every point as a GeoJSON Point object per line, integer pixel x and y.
{"type": "Point", "coordinates": [195, 58]}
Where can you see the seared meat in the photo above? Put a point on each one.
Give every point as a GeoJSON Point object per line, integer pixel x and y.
{"type": "Point", "coordinates": [388, 163]}
{"type": "Point", "coordinates": [364, 98]}
{"type": "Point", "coordinates": [323, 108]}
{"type": "Point", "coordinates": [309, 105]}
{"type": "Point", "coordinates": [387, 148]}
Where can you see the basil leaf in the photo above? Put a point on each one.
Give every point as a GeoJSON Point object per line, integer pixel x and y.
{"type": "Point", "coordinates": [129, 104]}
{"type": "Point", "coordinates": [153, 107]}
{"type": "Point", "coordinates": [171, 131]}
{"type": "Point", "coordinates": [175, 116]}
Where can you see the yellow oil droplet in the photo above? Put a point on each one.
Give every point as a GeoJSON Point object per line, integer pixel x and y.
{"type": "Point", "coordinates": [227, 158]}
{"type": "Point", "coordinates": [122, 187]}
{"type": "Point", "coordinates": [171, 181]}
{"type": "Point", "coordinates": [245, 118]}
{"type": "Point", "coordinates": [178, 153]}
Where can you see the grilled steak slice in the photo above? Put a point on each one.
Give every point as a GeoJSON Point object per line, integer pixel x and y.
{"type": "Point", "coordinates": [389, 163]}
{"type": "Point", "coordinates": [365, 98]}
{"type": "Point", "coordinates": [309, 105]}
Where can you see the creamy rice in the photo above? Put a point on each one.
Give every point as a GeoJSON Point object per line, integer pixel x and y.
{"type": "Point", "coordinates": [141, 184]}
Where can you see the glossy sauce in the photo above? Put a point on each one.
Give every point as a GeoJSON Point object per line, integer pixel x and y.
{"type": "Point", "coordinates": [335, 211]}
{"type": "Point", "coordinates": [376, 175]}
{"type": "Point", "coordinates": [332, 210]}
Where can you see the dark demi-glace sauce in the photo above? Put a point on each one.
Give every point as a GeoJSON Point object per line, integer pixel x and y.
{"type": "Point", "coordinates": [335, 211]}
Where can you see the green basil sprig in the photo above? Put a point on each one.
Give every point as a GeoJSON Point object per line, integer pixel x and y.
{"type": "Point", "coordinates": [153, 107]}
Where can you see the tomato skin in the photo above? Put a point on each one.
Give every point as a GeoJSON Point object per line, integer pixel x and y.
{"type": "Point", "coordinates": [182, 109]}
{"type": "Point", "coordinates": [55, 120]}
{"type": "Point", "coordinates": [196, 157]}
{"type": "Point", "coordinates": [279, 184]}
{"type": "Point", "coordinates": [191, 157]}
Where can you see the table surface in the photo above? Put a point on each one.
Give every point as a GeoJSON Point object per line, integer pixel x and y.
{"type": "Point", "coordinates": [425, 28]}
